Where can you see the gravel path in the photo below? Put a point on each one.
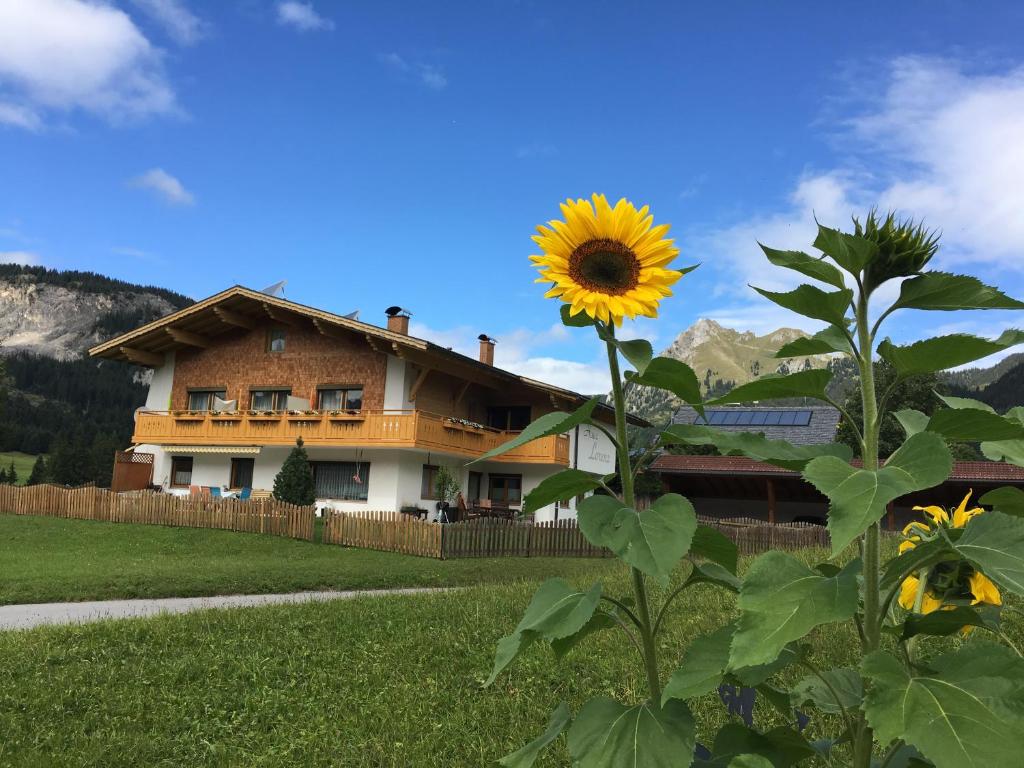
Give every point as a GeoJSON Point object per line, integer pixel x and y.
{"type": "Point", "coordinates": [33, 615]}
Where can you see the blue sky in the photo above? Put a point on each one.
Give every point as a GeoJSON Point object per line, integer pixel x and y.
{"type": "Point", "coordinates": [401, 153]}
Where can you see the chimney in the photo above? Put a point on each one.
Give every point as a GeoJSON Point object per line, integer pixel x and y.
{"type": "Point", "coordinates": [486, 349]}
{"type": "Point", "coordinates": [398, 320]}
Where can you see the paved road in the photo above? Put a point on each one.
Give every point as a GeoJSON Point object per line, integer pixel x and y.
{"type": "Point", "coordinates": [33, 615]}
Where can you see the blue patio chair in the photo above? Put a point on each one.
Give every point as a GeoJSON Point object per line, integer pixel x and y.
{"type": "Point", "coordinates": [215, 492]}
{"type": "Point", "coordinates": [244, 494]}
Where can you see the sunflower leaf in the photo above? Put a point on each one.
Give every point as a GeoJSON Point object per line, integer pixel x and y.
{"type": "Point", "coordinates": [844, 691]}
{"type": "Point", "coordinates": [527, 755]}
{"type": "Point", "coordinates": [810, 383]}
{"type": "Point", "coordinates": [656, 539]}
{"type": "Point", "coordinates": [851, 252]}
{"type": "Point", "coordinates": [703, 667]}
{"type": "Point", "coordinates": [1008, 500]}
{"type": "Point", "coordinates": [994, 544]}
{"type": "Point", "coordinates": [780, 747]}
{"type": "Point", "coordinates": [858, 497]}
{"type": "Point", "coordinates": [637, 351]}
{"type": "Point", "coordinates": [555, 611]}
{"type": "Point", "coordinates": [966, 712]}
{"type": "Point", "coordinates": [819, 269]}
{"type": "Point", "coordinates": [753, 445]}
{"type": "Point", "coordinates": [672, 375]}
{"type": "Point", "coordinates": [607, 734]}
{"type": "Point", "coordinates": [782, 600]}
{"type": "Point", "coordinates": [712, 544]}
{"type": "Point", "coordinates": [813, 302]}
{"type": "Point", "coordinates": [564, 485]}
{"type": "Point", "coordinates": [949, 621]}
{"type": "Point", "coordinates": [831, 339]}
{"type": "Point", "coordinates": [944, 352]}
{"type": "Point", "coordinates": [942, 291]}
{"type": "Point", "coordinates": [579, 320]}
{"type": "Point", "coordinates": [554, 423]}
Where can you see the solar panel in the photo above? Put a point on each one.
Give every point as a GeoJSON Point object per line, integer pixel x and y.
{"type": "Point", "coordinates": [737, 417]}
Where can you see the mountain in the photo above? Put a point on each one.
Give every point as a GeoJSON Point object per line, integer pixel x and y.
{"type": "Point", "coordinates": [722, 358]}
{"type": "Point", "coordinates": [51, 394]}
{"type": "Point", "coordinates": [974, 379]}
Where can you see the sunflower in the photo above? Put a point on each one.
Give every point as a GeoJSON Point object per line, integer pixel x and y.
{"type": "Point", "coordinates": [607, 262]}
{"type": "Point", "coordinates": [947, 584]}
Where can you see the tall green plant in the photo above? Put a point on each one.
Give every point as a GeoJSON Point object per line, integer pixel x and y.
{"type": "Point", "coordinates": [904, 703]}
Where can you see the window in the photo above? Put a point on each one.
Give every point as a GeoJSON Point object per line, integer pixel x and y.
{"type": "Point", "coordinates": [181, 470]}
{"type": "Point", "coordinates": [509, 417]}
{"type": "Point", "coordinates": [275, 340]}
{"type": "Point", "coordinates": [506, 489]}
{"type": "Point", "coordinates": [340, 398]}
{"type": "Point", "coordinates": [345, 480]}
{"type": "Point", "coordinates": [202, 399]}
{"type": "Point", "coordinates": [475, 481]}
{"type": "Point", "coordinates": [241, 473]}
{"type": "Point", "coordinates": [428, 487]}
{"type": "Point", "coordinates": [269, 399]}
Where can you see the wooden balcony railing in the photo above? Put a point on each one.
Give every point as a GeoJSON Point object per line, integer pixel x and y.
{"type": "Point", "coordinates": [365, 429]}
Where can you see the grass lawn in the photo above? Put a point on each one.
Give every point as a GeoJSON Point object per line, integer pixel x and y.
{"type": "Point", "coordinates": [23, 463]}
{"type": "Point", "coordinates": [44, 559]}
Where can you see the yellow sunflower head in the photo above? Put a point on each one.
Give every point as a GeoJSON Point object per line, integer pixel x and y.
{"type": "Point", "coordinates": [607, 262]}
{"type": "Point", "coordinates": [951, 583]}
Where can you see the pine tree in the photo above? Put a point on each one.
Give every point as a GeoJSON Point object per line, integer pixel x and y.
{"type": "Point", "coordinates": [3, 476]}
{"type": "Point", "coordinates": [40, 472]}
{"type": "Point", "coordinates": [12, 474]}
{"type": "Point", "coordinates": [294, 483]}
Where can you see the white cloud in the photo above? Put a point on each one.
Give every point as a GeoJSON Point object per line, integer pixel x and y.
{"type": "Point", "coordinates": [175, 17]}
{"type": "Point", "coordinates": [429, 75]}
{"type": "Point", "coordinates": [518, 351]}
{"type": "Point", "coordinates": [20, 257]}
{"type": "Point", "coordinates": [302, 16]}
{"type": "Point", "coordinates": [65, 55]}
{"type": "Point", "coordinates": [163, 184]}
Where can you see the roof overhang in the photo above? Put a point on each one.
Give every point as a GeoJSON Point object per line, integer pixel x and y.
{"type": "Point", "coordinates": [234, 450]}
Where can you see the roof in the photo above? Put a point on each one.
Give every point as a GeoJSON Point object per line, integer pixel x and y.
{"type": "Point", "coordinates": [243, 307]}
{"type": "Point", "coordinates": [819, 427]}
{"type": "Point", "coordinates": [963, 471]}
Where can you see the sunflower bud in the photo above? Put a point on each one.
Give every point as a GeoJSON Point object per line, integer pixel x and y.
{"type": "Point", "coordinates": [904, 248]}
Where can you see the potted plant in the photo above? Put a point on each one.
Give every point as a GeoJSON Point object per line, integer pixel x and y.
{"type": "Point", "coordinates": [446, 488]}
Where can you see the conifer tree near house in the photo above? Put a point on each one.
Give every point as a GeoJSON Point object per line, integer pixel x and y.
{"type": "Point", "coordinates": [12, 474]}
{"type": "Point", "coordinates": [40, 472]}
{"type": "Point", "coordinates": [294, 483]}
{"type": "Point", "coordinates": [3, 476]}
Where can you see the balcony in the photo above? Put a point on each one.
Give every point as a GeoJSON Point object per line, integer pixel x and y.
{"type": "Point", "coordinates": [358, 429]}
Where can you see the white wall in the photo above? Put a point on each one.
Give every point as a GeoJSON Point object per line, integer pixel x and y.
{"type": "Point", "coordinates": [159, 395]}
{"type": "Point", "coordinates": [394, 386]}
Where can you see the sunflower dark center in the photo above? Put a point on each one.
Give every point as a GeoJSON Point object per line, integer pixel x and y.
{"type": "Point", "coordinates": [605, 265]}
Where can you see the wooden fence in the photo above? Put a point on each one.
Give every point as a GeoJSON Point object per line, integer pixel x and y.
{"type": "Point", "coordinates": [752, 536]}
{"type": "Point", "coordinates": [484, 537]}
{"type": "Point", "coordinates": [263, 516]}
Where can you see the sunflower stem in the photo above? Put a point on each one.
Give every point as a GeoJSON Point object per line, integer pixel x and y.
{"type": "Point", "coordinates": [626, 475]}
{"type": "Point", "coordinates": [922, 587]}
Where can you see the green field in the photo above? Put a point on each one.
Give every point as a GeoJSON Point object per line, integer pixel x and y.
{"type": "Point", "coordinates": [23, 463]}
{"type": "Point", "coordinates": [44, 559]}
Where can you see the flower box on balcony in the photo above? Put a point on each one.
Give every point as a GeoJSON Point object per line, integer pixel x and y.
{"type": "Point", "coordinates": [226, 416]}
{"type": "Point", "coordinates": [459, 425]}
{"type": "Point", "coordinates": [303, 416]}
{"type": "Point", "coordinates": [346, 416]}
{"type": "Point", "coordinates": [189, 415]}
{"type": "Point", "coordinates": [264, 415]}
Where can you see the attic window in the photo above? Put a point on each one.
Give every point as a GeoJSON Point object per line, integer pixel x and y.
{"type": "Point", "coordinates": [275, 340]}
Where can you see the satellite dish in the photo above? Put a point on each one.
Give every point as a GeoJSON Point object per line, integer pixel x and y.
{"type": "Point", "coordinates": [277, 289]}
{"type": "Point", "coordinates": [352, 315]}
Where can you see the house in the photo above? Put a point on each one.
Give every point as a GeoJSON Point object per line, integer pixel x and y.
{"type": "Point", "coordinates": [238, 377]}
{"type": "Point", "coordinates": [735, 486]}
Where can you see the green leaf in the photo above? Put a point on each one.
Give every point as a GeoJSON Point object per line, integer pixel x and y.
{"type": "Point", "coordinates": [750, 761]}
{"type": "Point", "coordinates": [1008, 500]}
{"type": "Point", "coordinates": [948, 621]}
{"type": "Point", "coordinates": [703, 667]}
{"type": "Point", "coordinates": [673, 376]}
{"type": "Point", "coordinates": [637, 351]}
{"type": "Point", "coordinates": [831, 339]}
{"type": "Point", "coordinates": [554, 423]}
{"type": "Point", "coordinates": [756, 675]}
{"type": "Point", "coordinates": [846, 691]}
{"type": "Point", "coordinates": [851, 252]}
{"type": "Point", "coordinates": [782, 747]}
{"type": "Point", "coordinates": [912, 421]}
{"type": "Point", "coordinates": [813, 302]}
{"type": "Point", "coordinates": [712, 544]}
{"type": "Point", "coordinates": [944, 352]}
{"type": "Point", "coordinates": [810, 383]}
{"type": "Point", "coordinates": [556, 611]}
{"type": "Point", "coordinates": [994, 544]}
{"type": "Point", "coordinates": [595, 515]}
{"type": "Point", "coordinates": [965, 402]}
{"type": "Point", "coordinates": [943, 291]}
{"type": "Point", "coordinates": [712, 573]}
{"type": "Point", "coordinates": [924, 555]}
{"type": "Point", "coordinates": [753, 445]}
{"type": "Point", "coordinates": [579, 320]}
{"type": "Point", "coordinates": [859, 496]}
{"type": "Point", "coordinates": [974, 425]}
{"type": "Point", "coordinates": [819, 269]}
{"type": "Point", "coordinates": [564, 485]}
{"type": "Point", "coordinates": [525, 757]}
{"type": "Point", "coordinates": [967, 713]}
{"type": "Point", "coordinates": [599, 622]}
{"type": "Point", "coordinates": [782, 600]}
{"type": "Point", "coordinates": [607, 734]}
